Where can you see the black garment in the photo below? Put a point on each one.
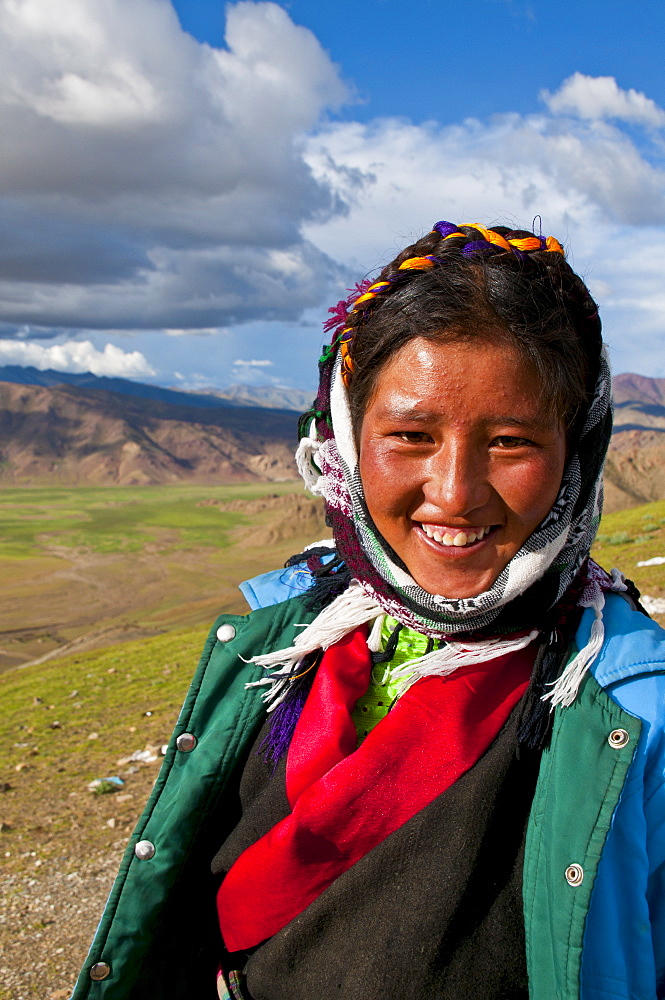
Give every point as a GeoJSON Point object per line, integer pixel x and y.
{"type": "Point", "coordinates": [434, 912]}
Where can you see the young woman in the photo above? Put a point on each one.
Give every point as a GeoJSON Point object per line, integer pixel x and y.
{"type": "Point", "coordinates": [430, 764]}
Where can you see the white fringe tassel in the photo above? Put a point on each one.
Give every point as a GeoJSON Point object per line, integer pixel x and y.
{"type": "Point", "coordinates": [348, 611]}
{"type": "Point", "coordinates": [441, 662]}
{"type": "Point", "coordinates": [354, 608]}
{"type": "Point", "coordinates": [374, 638]}
{"type": "Point", "coordinates": [565, 688]}
{"type": "Point", "coordinates": [306, 453]}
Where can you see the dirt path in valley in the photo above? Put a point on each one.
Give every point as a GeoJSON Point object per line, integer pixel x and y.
{"type": "Point", "coordinates": [94, 599]}
{"type": "Point", "coordinates": [65, 594]}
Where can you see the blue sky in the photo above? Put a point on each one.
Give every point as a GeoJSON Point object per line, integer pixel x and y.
{"type": "Point", "coordinates": [190, 185]}
{"type": "Point", "coordinates": [445, 59]}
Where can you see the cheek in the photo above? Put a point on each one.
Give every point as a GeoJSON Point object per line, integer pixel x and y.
{"type": "Point", "coordinates": [386, 481]}
{"type": "Point", "coordinates": [376, 478]}
{"type": "Point", "coordinates": [531, 490]}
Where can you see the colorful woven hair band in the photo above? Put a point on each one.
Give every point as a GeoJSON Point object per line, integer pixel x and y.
{"type": "Point", "coordinates": [488, 241]}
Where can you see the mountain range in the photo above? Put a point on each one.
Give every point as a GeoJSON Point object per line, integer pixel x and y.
{"type": "Point", "coordinates": [64, 428]}
{"type": "Point", "coordinates": [635, 467]}
{"type": "Point", "coordinates": [271, 397]}
{"type": "Point", "coordinates": [73, 434]}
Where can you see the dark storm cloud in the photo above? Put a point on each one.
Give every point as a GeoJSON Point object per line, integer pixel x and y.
{"type": "Point", "coordinates": [151, 180]}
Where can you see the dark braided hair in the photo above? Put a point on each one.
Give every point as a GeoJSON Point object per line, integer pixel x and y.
{"type": "Point", "coordinates": [476, 289]}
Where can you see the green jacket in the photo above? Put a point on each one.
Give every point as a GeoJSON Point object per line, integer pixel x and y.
{"type": "Point", "coordinates": [164, 890]}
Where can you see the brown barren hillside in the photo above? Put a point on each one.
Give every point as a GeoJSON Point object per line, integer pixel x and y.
{"type": "Point", "coordinates": [638, 388]}
{"type": "Point", "coordinates": [635, 468]}
{"type": "Point", "coordinates": [68, 435]}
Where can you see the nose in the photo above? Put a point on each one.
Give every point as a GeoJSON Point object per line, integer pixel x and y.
{"type": "Point", "coordinates": [457, 481]}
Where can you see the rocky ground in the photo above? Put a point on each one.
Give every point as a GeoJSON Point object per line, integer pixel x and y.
{"type": "Point", "coordinates": [66, 726]}
{"type": "Point", "coordinates": [47, 919]}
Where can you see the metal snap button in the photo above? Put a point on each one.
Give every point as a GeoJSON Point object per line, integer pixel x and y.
{"type": "Point", "coordinates": [144, 850]}
{"type": "Point", "coordinates": [226, 632]}
{"type": "Point", "coordinates": [618, 738]}
{"type": "Point", "coordinates": [186, 742]}
{"type": "Point", "coordinates": [574, 874]}
{"type": "Point", "coordinates": [99, 971]}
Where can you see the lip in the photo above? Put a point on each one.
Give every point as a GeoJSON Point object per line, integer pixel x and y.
{"type": "Point", "coordinates": [455, 551]}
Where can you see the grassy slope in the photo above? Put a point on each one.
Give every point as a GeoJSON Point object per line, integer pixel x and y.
{"type": "Point", "coordinates": [631, 536]}
{"type": "Point", "coordinates": [48, 715]}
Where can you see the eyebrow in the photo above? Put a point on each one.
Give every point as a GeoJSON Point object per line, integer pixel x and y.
{"type": "Point", "coordinates": [418, 415]}
{"type": "Point", "coordinates": [407, 413]}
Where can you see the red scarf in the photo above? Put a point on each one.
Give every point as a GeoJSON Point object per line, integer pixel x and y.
{"type": "Point", "coordinates": [344, 800]}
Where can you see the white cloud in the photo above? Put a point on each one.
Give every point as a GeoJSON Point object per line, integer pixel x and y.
{"type": "Point", "coordinates": [598, 97]}
{"type": "Point", "coordinates": [75, 356]}
{"type": "Point", "coordinates": [154, 181]}
{"type": "Point", "coordinates": [253, 363]}
{"type": "Point", "coordinates": [595, 190]}
{"type": "Point", "coordinates": [577, 175]}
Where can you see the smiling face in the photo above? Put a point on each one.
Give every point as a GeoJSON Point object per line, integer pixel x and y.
{"type": "Point", "coordinates": [459, 461]}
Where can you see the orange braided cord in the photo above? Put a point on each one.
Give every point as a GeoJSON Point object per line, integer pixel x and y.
{"type": "Point", "coordinates": [529, 243]}
{"type": "Point", "coordinates": [492, 237]}
{"type": "Point", "coordinates": [416, 264]}
{"type": "Point", "coordinates": [346, 337]}
{"type": "Point", "coordinates": [347, 365]}
{"type": "Point", "coordinates": [370, 294]}
{"type": "Point", "coordinates": [553, 244]}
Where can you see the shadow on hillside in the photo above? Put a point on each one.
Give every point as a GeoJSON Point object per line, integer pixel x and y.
{"type": "Point", "coordinates": [618, 428]}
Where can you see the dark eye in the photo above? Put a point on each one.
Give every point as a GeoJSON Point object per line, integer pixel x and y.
{"type": "Point", "coordinates": [508, 441]}
{"type": "Point", "coordinates": [413, 437]}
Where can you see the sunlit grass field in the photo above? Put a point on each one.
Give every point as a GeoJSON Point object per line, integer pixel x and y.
{"type": "Point", "coordinates": [631, 536]}
{"type": "Point", "coordinates": [69, 721]}
{"type": "Point", "coordinates": [98, 564]}
{"type": "Point", "coordinates": [119, 519]}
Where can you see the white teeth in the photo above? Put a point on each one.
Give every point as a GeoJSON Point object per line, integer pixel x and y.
{"type": "Point", "coordinates": [459, 539]}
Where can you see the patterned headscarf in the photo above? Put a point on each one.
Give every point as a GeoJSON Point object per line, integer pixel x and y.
{"type": "Point", "coordinates": [541, 572]}
{"type": "Point", "coordinates": [536, 577]}
{"type": "Point", "coordinates": [552, 562]}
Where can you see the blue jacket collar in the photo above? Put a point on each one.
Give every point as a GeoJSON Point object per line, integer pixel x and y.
{"type": "Point", "coordinates": [634, 644]}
